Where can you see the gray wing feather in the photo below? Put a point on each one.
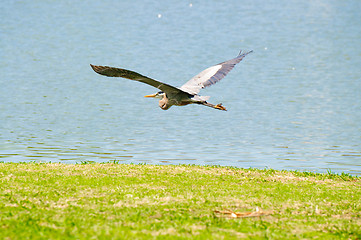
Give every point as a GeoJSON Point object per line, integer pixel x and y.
{"type": "Point", "coordinates": [118, 72]}
{"type": "Point", "coordinates": [212, 74]}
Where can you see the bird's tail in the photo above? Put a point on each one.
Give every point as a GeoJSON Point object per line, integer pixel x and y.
{"type": "Point", "coordinates": [218, 106]}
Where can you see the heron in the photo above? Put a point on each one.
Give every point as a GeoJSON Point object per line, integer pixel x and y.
{"type": "Point", "coordinates": [184, 95]}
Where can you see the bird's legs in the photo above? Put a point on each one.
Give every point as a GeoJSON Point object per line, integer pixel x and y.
{"type": "Point", "coordinates": [218, 106]}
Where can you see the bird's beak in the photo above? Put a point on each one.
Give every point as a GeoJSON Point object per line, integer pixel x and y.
{"type": "Point", "coordinates": [152, 95]}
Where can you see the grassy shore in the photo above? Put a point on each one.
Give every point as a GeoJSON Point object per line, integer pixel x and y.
{"type": "Point", "coordinates": [116, 201]}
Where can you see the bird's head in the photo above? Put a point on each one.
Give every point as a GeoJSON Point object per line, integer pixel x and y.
{"type": "Point", "coordinates": [158, 95]}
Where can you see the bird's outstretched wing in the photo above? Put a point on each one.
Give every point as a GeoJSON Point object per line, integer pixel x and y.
{"type": "Point", "coordinates": [118, 72]}
{"type": "Point", "coordinates": [212, 75]}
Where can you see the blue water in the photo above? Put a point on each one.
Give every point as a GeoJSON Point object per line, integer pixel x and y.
{"type": "Point", "coordinates": [294, 103]}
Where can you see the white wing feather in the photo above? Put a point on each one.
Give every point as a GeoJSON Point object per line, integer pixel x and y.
{"type": "Point", "coordinates": [211, 75]}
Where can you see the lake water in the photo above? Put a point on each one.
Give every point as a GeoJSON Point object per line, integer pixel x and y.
{"type": "Point", "coordinates": [294, 103]}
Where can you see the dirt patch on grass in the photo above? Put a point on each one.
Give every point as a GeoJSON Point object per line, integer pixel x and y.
{"type": "Point", "coordinates": [133, 201]}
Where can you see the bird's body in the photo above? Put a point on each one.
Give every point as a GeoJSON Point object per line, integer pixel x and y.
{"type": "Point", "coordinates": [186, 94]}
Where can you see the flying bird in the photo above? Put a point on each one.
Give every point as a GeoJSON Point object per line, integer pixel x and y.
{"type": "Point", "coordinates": [184, 95]}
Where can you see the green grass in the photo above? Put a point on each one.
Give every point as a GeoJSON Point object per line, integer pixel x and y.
{"type": "Point", "coordinates": [116, 201]}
